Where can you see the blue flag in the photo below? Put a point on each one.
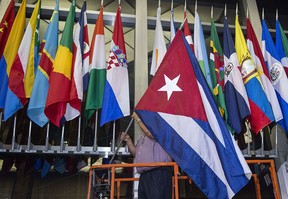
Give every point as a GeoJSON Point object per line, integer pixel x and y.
{"type": "Point", "coordinates": [277, 73]}
{"type": "Point", "coordinates": [37, 102]}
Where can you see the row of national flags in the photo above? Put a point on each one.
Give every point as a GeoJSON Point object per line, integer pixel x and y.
{"type": "Point", "coordinates": [234, 74]}
{"type": "Point", "coordinates": [247, 84]}
{"type": "Point", "coordinates": [51, 79]}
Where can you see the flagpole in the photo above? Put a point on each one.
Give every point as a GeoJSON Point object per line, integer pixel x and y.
{"type": "Point", "coordinates": [1, 113]}
{"type": "Point", "coordinates": [121, 141]}
{"type": "Point", "coordinates": [249, 140]}
{"type": "Point", "coordinates": [47, 136]}
{"type": "Point", "coordinates": [101, 2]}
{"type": "Point", "coordinates": [29, 136]}
{"type": "Point", "coordinates": [247, 13]}
{"type": "Point", "coordinates": [236, 9]}
{"type": "Point", "coordinates": [276, 141]}
{"type": "Point", "coordinates": [196, 6]}
{"type": "Point", "coordinates": [262, 13]}
{"type": "Point", "coordinates": [113, 138]}
{"type": "Point", "coordinates": [95, 131]}
{"type": "Point", "coordinates": [276, 14]}
{"type": "Point", "coordinates": [225, 10]}
{"type": "Point", "coordinates": [182, 24]}
{"type": "Point", "coordinates": [14, 132]}
{"type": "Point", "coordinates": [79, 129]}
{"type": "Point", "coordinates": [62, 138]}
{"type": "Point", "coordinates": [185, 6]}
{"type": "Point", "coordinates": [212, 12]}
{"type": "Point", "coordinates": [262, 143]}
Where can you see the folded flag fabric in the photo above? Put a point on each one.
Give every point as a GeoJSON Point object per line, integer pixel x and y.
{"type": "Point", "coordinates": [98, 68]}
{"type": "Point", "coordinates": [236, 98]}
{"type": "Point", "coordinates": [10, 51]}
{"type": "Point", "coordinates": [21, 77]}
{"type": "Point", "coordinates": [257, 56]}
{"type": "Point", "coordinates": [261, 111]}
{"type": "Point", "coordinates": [58, 96]}
{"type": "Point", "coordinates": [35, 110]}
{"type": "Point", "coordinates": [116, 101]}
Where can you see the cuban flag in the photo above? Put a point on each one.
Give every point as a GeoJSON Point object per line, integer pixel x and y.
{"type": "Point", "coordinates": [277, 73]}
{"type": "Point", "coordinates": [179, 110]}
{"type": "Point", "coordinates": [116, 102]}
{"type": "Point", "coordinates": [236, 99]}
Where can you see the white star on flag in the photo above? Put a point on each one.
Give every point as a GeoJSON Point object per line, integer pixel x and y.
{"type": "Point", "coordinates": [170, 86]}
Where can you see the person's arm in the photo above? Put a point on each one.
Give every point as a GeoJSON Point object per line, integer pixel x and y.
{"type": "Point", "coordinates": [126, 138]}
{"type": "Point", "coordinates": [142, 126]}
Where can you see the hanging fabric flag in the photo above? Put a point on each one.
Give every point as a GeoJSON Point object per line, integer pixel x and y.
{"type": "Point", "coordinates": [6, 25]}
{"type": "Point", "coordinates": [58, 96]}
{"type": "Point", "coordinates": [261, 111]}
{"type": "Point", "coordinates": [257, 56]}
{"type": "Point", "coordinates": [284, 39]}
{"type": "Point", "coordinates": [236, 99]}
{"type": "Point", "coordinates": [85, 48]}
{"type": "Point", "coordinates": [10, 51]}
{"type": "Point", "coordinates": [172, 25]}
{"type": "Point", "coordinates": [73, 109]}
{"type": "Point", "coordinates": [179, 111]}
{"type": "Point", "coordinates": [116, 102]}
{"type": "Point", "coordinates": [277, 73]}
{"type": "Point", "coordinates": [280, 46]}
{"type": "Point", "coordinates": [159, 47]}
{"type": "Point", "coordinates": [200, 49]}
{"type": "Point", "coordinates": [21, 78]}
{"type": "Point", "coordinates": [98, 68]}
{"type": "Point", "coordinates": [217, 70]}
{"type": "Point", "coordinates": [37, 101]}
{"type": "Point", "coordinates": [187, 32]}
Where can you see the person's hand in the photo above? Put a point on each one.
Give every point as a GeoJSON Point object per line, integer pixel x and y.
{"type": "Point", "coordinates": [125, 137]}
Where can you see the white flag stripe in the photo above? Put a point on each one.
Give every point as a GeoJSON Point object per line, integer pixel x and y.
{"type": "Point", "coordinates": [99, 55]}
{"type": "Point", "coordinates": [211, 117]}
{"type": "Point", "coordinates": [23, 53]}
{"type": "Point", "coordinates": [159, 47]}
{"type": "Point", "coordinates": [200, 142]}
